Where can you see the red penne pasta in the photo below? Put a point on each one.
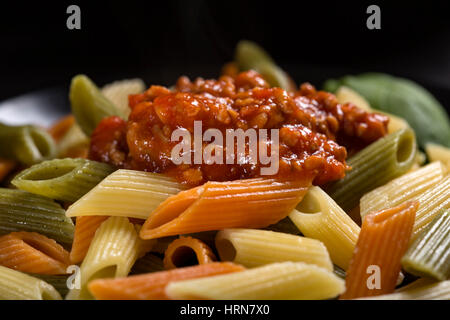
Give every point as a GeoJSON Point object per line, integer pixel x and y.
{"type": "Point", "coordinates": [151, 286]}
{"type": "Point", "coordinates": [187, 251]}
{"type": "Point", "coordinates": [85, 228]}
{"type": "Point", "coordinates": [251, 203]}
{"type": "Point", "coordinates": [382, 242]}
{"type": "Point", "coordinates": [34, 253]}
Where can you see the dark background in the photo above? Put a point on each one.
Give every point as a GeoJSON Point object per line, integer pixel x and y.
{"type": "Point", "coordinates": [161, 40]}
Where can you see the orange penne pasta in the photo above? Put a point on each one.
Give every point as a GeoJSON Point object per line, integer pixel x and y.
{"type": "Point", "coordinates": [382, 242]}
{"type": "Point", "coordinates": [6, 166]}
{"type": "Point", "coordinates": [60, 128]}
{"type": "Point", "coordinates": [85, 228]}
{"type": "Point", "coordinates": [187, 251]}
{"type": "Point", "coordinates": [151, 286]}
{"type": "Point", "coordinates": [34, 253]}
{"type": "Point", "coordinates": [251, 203]}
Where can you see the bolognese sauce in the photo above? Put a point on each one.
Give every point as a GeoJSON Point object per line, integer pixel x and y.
{"type": "Point", "coordinates": [316, 133]}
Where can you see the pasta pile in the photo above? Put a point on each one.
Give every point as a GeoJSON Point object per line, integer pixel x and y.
{"type": "Point", "coordinates": [72, 228]}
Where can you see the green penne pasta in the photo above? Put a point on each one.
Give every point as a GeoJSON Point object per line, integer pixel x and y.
{"type": "Point", "coordinates": [62, 179]}
{"type": "Point", "coordinates": [26, 144]}
{"type": "Point", "coordinates": [429, 255]}
{"type": "Point", "coordinates": [375, 165]}
{"type": "Point", "coordinates": [16, 285]}
{"type": "Point", "coordinates": [59, 282]}
{"type": "Point", "coordinates": [24, 211]}
{"type": "Point", "coordinates": [89, 105]}
{"type": "Point", "coordinates": [148, 263]}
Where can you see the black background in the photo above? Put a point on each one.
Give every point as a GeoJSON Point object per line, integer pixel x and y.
{"type": "Point", "coordinates": [161, 40]}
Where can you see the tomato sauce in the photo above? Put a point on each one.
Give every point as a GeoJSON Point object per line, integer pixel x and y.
{"type": "Point", "coordinates": [315, 131]}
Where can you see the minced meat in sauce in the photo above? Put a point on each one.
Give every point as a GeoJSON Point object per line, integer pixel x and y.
{"type": "Point", "coordinates": [315, 131]}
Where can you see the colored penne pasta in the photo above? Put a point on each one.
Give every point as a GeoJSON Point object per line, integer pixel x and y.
{"type": "Point", "coordinates": [429, 254]}
{"type": "Point", "coordinates": [276, 281]}
{"type": "Point", "coordinates": [375, 265]}
{"type": "Point", "coordinates": [16, 285]}
{"type": "Point", "coordinates": [113, 251]}
{"type": "Point", "coordinates": [89, 105]}
{"type": "Point", "coordinates": [319, 217]}
{"type": "Point", "coordinates": [187, 251]}
{"type": "Point", "coordinates": [73, 144]}
{"type": "Point", "coordinates": [152, 286]}
{"type": "Point", "coordinates": [375, 165]}
{"type": "Point", "coordinates": [432, 202]}
{"type": "Point", "coordinates": [148, 263]}
{"type": "Point", "coordinates": [85, 228]}
{"type": "Point", "coordinates": [118, 92]}
{"type": "Point", "coordinates": [126, 193]}
{"type": "Point", "coordinates": [433, 291]}
{"type": "Point", "coordinates": [62, 179]}
{"type": "Point", "coordinates": [60, 128]}
{"type": "Point", "coordinates": [436, 152]}
{"type": "Point", "coordinates": [33, 253]}
{"type": "Point", "coordinates": [252, 203]}
{"type": "Point", "coordinates": [24, 211]}
{"type": "Point", "coordinates": [253, 248]}
{"type": "Point", "coordinates": [404, 188]}
{"type": "Point", "coordinates": [26, 144]}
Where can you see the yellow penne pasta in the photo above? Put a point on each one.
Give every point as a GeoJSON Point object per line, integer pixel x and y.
{"type": "Point", "coordinates": [406, 187]}
{"type": "Point", "coordinates": [15, 285]}
{"type": "Point", "coordinates": [253, 248]}
{"type": "Point", "coordinates": [319, 217]}
{"type": "Point", "coordinates": [437, 152]}
{"type": "Point", "coordinates": [126, 193]}
{"type": "Point", "coordinates": [431, 202]}
{"type": "Point", "coordinates": [118, 92]}
{"type": "Point", "coordinates": [113, 251]}
{"type": "Point", "coordinates": [285, 281]}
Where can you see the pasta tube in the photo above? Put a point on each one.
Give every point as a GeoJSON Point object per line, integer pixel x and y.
{"type": "Point", "coordinates": [113, 251]}
{"type": "Point", "coordinates": [152, 286]}
{"type": "Point", "coordinates": [252, 203]}
{"type": "Point", "coordinates": [74, 143]}
{"type": "Point", "coordinates": [148, 263]}
{"type": "Point", "coordinates": [319, 217]}
{"type": "Point", "coordinates": [34, 253]}
{"type": "Point", "coordinates": [433, 201]}
{"type": "Point", "coordinates": [436, 152]}
{"type": "Point", "coordinates": [89, 105]}
{"type": "Point", "coordinates": [254, 248]}
{"type": "Point", "coordinates": [85, 228]}
{"type": "Point", "coordinates": [187, 251]}
{"type": "Point", "coordinates": [15, 285]}
{"type": "Point", "coordinates": [404, 188]}
{"type": "Point", "coordinates": [24, 211]}
{"type": "Point", "coordinates": [383, 240]}
{"type": "Point", "coordinates": [429, 255]}
{"type": "Point", "coordinates": [276, 281]}
{"type": "Point", "coordinates": [126, 193]}
{"type": "Point", "coordinates": [375, 165]}
{"type": "Point", "coordinates": [26, 144]}
{"type": "Point", "coordinates": [62, 179]}
{"type": "Point", "coordinates": [118, 92]}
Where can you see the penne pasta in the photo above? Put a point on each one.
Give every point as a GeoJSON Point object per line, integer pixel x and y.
{"type": "Point", "coordinates": [24, 211]}
{"type": "Point", "coordinates": [60, 128]}
{"type": "Point", "coordinates": [152, 286]}
{"type": "Point", "coordinates": [59, 282]}
{"type": "Point", "coordinates": [432, 202]}
{"type": "Point", "coordinates": [285, 281]}
{"type": "Point", "coordinates": [319, 217]}
{"type": "Point", "coordinates": [374, 166]}
{"type": "Point", "coordinates": [113, 251]}
{"type": "Point", "coordinates": [62, 179]}
{"type": "Point", "coordinates": [33, 253]}
{"type": "Point", "coordinates": [16, 285]}
{"type": "Point", "coordinates": [85, 228]}
{"type": "Point", "coordinates": [436, 152]}
{"type": "Point", "coordinates": [148, 263]}
{"type": "Point", "coordinates": [404, 188]}
{"type": "Point", "coordinates": [118, 92]}
{"type": "Point", "coordinates": [252, 203]}
{"type": "Point", "coordinates": [374, 252]}
{"type": "Point", "coordinates": [429, 254]}
{"type": "Point", "coordinates": [253, 248]}
{"type": "Point", "coordinates": [126, 193]}
{"type": "Point", "coordinates": [187, 251]}
{"type": "Point", "coordinates": [73, 144]}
